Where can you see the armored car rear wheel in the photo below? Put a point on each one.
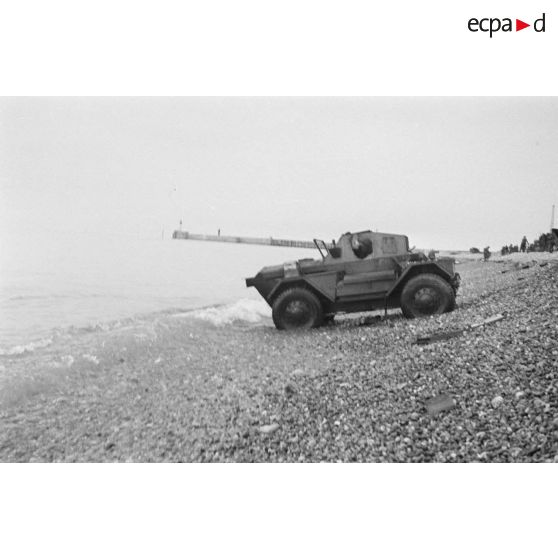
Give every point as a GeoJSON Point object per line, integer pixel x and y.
{"type": "Point", "coordinates": [425, 295]}
{"type": "Point", "coordinates": [297, 308]}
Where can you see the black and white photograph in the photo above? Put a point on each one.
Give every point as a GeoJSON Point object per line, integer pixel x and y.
{"type": "Point", "coordinates": [278, 280]}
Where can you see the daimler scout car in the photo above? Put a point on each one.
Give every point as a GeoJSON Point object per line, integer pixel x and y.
{"type": "Point", "coordinates": [363, 271]}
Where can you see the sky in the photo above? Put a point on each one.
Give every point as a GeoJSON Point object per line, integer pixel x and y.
{"type": "Point", "coordinates": [449, 172]}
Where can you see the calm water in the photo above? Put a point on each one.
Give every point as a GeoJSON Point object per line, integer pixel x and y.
{"type": "Point", "coordinates": [56, 281]}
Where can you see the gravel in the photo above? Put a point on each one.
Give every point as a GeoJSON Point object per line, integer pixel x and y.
{"type": "Point", "coordinates": [180, 389]}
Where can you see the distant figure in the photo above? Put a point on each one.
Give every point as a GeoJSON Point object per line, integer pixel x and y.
{"type": "Point", "coordinates": [218, 232]}
{"type": "Point", "coordinates": [531, 246]}
{"type": "Point", "coordinates": [536, 246]}
{"type": "Point", "coordinates": [523, 245]}
{"type": "Point", "coordinates": [552, 244]}
{"type": "Point", "coordinates": [504, 251]}
{"type": "Point", "coordinates": [432, 255]}
{"type": "Point", "coordinates": [542, 242]}
{"type": "Point", "coordinates": [486, 253]}
{"type": "Point", "coordinates": [549, 242]}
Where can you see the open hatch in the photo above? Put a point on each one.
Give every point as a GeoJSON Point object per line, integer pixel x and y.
{"type": "Point", "coordinates": [325, 250]}
{"type": "Point", "coordinates": [322, 247]}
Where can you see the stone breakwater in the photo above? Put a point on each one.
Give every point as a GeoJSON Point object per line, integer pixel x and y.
{"type": "Point", "coordinates": [184, 389]}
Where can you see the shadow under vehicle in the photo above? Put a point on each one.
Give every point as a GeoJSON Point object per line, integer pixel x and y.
{"type": "Point", "coordinates": [363, 271]}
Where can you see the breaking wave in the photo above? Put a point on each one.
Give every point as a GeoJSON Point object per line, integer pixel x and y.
{"type": "Point", "coordinates": [245, 310]}
{"type": "Point", "coordinates": [27, 348]}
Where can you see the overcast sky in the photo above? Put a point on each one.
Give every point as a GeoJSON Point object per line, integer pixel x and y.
{"type": "Point", "coordinates": [448, 172]}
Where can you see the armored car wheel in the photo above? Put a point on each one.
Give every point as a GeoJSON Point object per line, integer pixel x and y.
{"type": "Point", "coordinates": [297, 308]}
{"type": "Point", "coordinates": [425, 295]}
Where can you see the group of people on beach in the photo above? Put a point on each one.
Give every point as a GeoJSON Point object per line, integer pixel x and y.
{"type": "Point", "coordinates": [547, 242]}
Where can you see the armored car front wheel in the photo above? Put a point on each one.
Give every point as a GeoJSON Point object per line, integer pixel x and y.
{"type": "Point", "coordinates": [297, 308]}
{"type": "Point", "coordinates": [425, 295]}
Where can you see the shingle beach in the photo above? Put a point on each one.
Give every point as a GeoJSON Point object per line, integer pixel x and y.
{"type": "Point", "coordinates": [176, 387]}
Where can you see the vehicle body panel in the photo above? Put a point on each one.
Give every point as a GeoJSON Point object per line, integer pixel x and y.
{"type": "Point", "coordinates": [362, 271]}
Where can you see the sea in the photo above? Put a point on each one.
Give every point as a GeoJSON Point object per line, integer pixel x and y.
{"type": "Point", "coordinates": [60, 282]}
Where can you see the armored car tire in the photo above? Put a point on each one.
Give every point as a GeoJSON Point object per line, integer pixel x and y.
{"type": "Point", "coordinates": [425, 295]}
{"type": "Point", "coordinates": [297, 308]}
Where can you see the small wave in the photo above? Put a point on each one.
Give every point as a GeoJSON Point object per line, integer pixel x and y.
{"type": "Point", "coordinates": [31, 297]}
{"type": "Point", "coordinates": [244, 310]}
{"type": "Point", "coordinates": [27, 348]}
{"type": "Point", "coordinates": [36, 297]}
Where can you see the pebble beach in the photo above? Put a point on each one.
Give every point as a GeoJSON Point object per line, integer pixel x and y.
{"type": "Point", "coordinates": [186, 388]}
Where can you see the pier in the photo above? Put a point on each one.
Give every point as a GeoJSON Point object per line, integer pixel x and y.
{"type": "Point", "coordinates": [268, 241]}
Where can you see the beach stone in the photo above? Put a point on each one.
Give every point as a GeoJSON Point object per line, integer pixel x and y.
{"type": "Point", "coordinates": [497, 401]}
{"type": "Point", "coordinates": [538, 403]}
{"type": "Point", "coordinates": [269, 428]}
{"type": "Point", "coordinates": [90, 358]}
{"type": "Point", "coordinates": [217, 420]}
{"type": "Point", "coordinates": [442, 402]}
{"type": "Point", "coordinates": [290, 390]}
